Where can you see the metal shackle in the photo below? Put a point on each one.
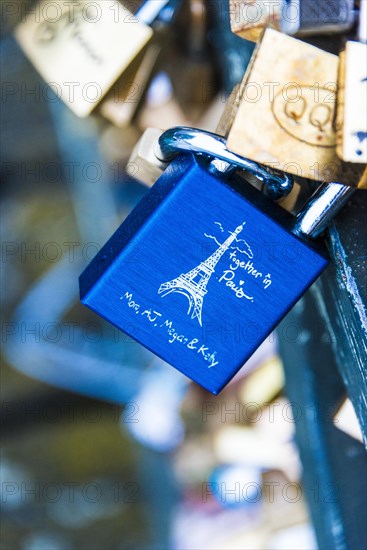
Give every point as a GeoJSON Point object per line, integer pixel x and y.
{"type": "Point", "coordinates": [322, 207]}
{"type": "Point", "coordinates": [182, 139]}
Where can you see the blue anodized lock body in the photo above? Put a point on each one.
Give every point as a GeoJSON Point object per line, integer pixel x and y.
{"type": "Point", "coordinates": [199, 273]}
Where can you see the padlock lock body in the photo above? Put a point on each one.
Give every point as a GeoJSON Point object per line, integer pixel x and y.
{"type": "Point", "coordinates": [200, 273]}
{"type": "Point", "coordinates": [90, 53]}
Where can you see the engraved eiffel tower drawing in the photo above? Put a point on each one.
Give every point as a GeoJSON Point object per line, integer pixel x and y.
{"type": "Point", "coordinates": [193, 284]}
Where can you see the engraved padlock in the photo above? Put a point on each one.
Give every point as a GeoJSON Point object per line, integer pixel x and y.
{"type": "Point", "coordinates": [156, 149]}
{"type": "Point", "coordinates": [293, 110]}
{"type": "Point", "coordinates": [203, 269]}
{"type": "Point", "coordinates": [81, 48]}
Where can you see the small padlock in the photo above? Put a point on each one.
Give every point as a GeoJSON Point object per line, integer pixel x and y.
{"type": "Point", "coordinates": [352, 97]}
{"type": "Point", "coordinates": [314, 17]}
{"type": "Point", "coordinates": [352, 104]}
{"type": "Point", "coordinates": [203, 269]}
{"type": "Point", "coordinates": [123, 101]}
{"type": "Point", "coordinates": [249, 18]}
{"type": "Point", "coordinates": [81, 48]}
{"type": "Point", "coordinates": [126, 97]}
{"type": "Point", "coordinates": [293, 111]}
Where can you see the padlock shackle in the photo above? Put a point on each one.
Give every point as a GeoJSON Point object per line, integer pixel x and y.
{"type": "Point", "coordinates": [182, 139]}
{"type": "Point", "coordinates": [323, 206]}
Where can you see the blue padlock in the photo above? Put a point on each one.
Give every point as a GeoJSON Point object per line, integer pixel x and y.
{"type": "Point", "coordinates": [203, 269]}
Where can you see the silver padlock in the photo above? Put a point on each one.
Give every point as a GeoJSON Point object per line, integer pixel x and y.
{"type": "Point", "coordinates": [293, 17]}
{"type": "Point", "coordinates": [310, 17]}
{"type": "Point", "coordinates": [156, 149]}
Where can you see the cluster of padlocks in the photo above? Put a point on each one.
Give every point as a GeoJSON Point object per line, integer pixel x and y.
{"type": "Point", "coordinates": [185, 169]}
{"type": "Point", "coordinates": [224, 237]}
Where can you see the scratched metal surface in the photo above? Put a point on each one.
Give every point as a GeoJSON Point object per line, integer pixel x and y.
{"type": "Point", "coordinates": [342, 300]}
{"type": "Point", "coordinates": [326, 361]}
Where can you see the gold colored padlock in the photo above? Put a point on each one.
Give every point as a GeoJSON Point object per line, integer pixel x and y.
{"type": "Point", "coordinates": [249, 18]}
{"type": "Point", "coordinates": [81, 49]}
{"type": "Point", "coordinates": [284, 112]}
{"type": "Point", "coordinates": [123, 100]}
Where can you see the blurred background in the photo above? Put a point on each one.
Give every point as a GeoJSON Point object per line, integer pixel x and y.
{"type": "Point", "coordinates": [104, 446]}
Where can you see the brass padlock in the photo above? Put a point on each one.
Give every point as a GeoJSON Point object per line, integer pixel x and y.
{"type": "Point", "coordinates": [81, 48]}
{"type": "Point", "coordinates": [123, 101]}
{"type": "Point", "coordinates": [285, 108]}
